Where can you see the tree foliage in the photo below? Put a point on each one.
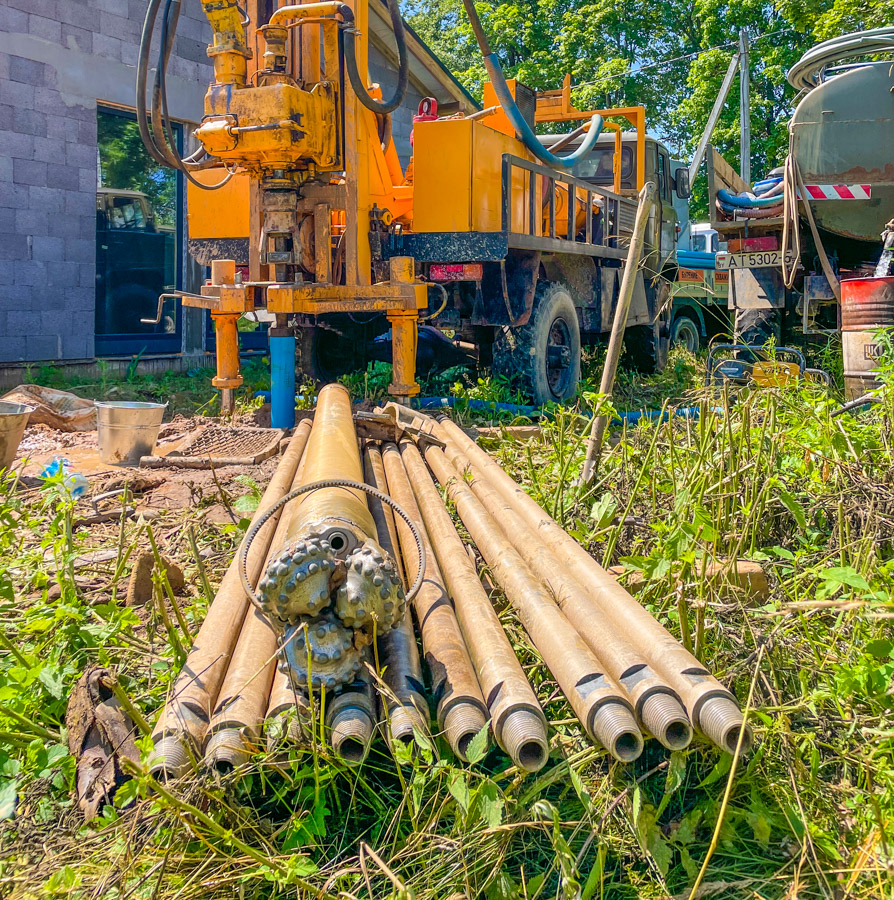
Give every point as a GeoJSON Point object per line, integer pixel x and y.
{"type": "Point", "coordinates": [669, 57]}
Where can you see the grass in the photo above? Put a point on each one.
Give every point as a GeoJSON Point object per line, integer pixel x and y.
{"type": "Point", "coordinates": [768, 475]}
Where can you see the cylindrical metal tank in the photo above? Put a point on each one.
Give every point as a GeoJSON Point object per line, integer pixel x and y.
{"type": "Point", "coordinates": [841, 135]}
{"type": "Point", "coordinates": [867, 304]}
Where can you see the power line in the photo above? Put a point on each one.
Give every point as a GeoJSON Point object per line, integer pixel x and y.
{"type": "Point", "coordinates": [668, 62]}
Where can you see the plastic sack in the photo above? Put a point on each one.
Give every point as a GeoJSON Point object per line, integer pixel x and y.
{"type": "Point", "coordinates": [58, 409]}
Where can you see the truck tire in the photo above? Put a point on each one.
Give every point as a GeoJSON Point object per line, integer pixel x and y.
{"type": "Point", "coordinates": [686, 332]}
{"type": "Point", "coordinates": [646, 346]}
{"type": "Point", "coordinates": [543, 356]}
{"type": "Point", "coordinates": [757, 326]}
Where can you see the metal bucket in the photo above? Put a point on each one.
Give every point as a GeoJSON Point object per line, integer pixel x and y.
{"type": "Point", "coordinates": [127, 430]}
{"type": "Point", "coordinates": [867, 304]}
{"type": "Point", "coordinates": [13, 419]}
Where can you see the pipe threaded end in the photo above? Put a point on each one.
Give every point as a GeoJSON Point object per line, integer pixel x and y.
{"type": "Point", "coordinates": [523, 737]}
{"type": "Point", "coordinates": [615, 728]}
{"type": "Point", "coordinates": [721, 721]}
{"type": "Point", "coordinates": [461, 723]}
{"type": "Point", "coordinates": [351, 732]}
{"type": "Point", "coordinates": [665, 719]}
{"type": "Point", "coordinates": [403, 719]}
{"type": "Point", "coordinates": [226, 750]}
{"type": "Point", "coordinates": [171, 757]}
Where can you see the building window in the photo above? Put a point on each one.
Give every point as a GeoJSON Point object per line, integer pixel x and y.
{"type": "Point", "coordinates": [139, 223]}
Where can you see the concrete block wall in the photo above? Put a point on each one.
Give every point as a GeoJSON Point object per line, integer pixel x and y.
{"type": "Point", "coordinates": [59, 60]}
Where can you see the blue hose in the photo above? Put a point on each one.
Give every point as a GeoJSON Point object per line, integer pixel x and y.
{"type": "Point", "coordinates": [724, 196]}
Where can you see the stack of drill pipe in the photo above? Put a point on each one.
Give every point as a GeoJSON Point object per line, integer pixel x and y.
{"type": "Point", "coordinates": [235, 727]}
{"type": "Point", "coordinates": [181, 727]}
{"type": "Point", "coordinates": [657, 707]}
{"type": "Point", "coordinates": [351, 718]}
{"type": "Point", "coordinates": [517, 720]}
{"type": "Point", "coordinates": [712, 709]}
{"type": "Point", "coordinates": [287, 712]}
{"type": "Point", "coordinates": [598, 701]}
{"type": "Point", "coordinates": [461, 709]}
{"type": "Point", "coordinates": [406, 707]}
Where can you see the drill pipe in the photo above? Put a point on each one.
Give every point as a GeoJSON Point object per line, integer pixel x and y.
{"type": "Point", "coordinates": [517, 720]}
{"type": "Point", "coordinates": [287, 712]}
{"type": "Point", "coordinates": [329, 583]}
{"type": "Point", "coordinates": [242, 703]}
{"type": "Point", "coordinates": [462, 712]}
{"type": "Point", "coordinates": [657, 707]}
{"type": "Point", "coordinates": [351, 720]}
{"type": "Point", "coordinates": [180, 730]}
{"type": "Point", "coordinates": [602, 706]}
{"type": "Point", "coordinates": [712, 708]}
{"type": "Point", "coordinates": [406, 706]}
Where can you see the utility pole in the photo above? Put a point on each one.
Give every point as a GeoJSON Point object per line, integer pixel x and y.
{"type": "Point", "coordinates": [744, 109]}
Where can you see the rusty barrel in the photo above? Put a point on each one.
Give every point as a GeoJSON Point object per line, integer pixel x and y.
{"type": "Point", "coordinates": [867, 304]}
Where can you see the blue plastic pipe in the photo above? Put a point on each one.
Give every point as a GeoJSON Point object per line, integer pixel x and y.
{"type": "Point", "coordinates": [282, 381]}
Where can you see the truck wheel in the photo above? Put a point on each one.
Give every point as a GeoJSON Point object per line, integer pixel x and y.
{"type": "Point", "coordinates": [543, 357]}
{"type": "Point", "coordinates": [757, 326]}
{"type": "Point", "coordinates": [324, 355]}
{"type": "Point", "coordinates": [686, 333]}
{"type": "Point", "coordinates": [646, 346]}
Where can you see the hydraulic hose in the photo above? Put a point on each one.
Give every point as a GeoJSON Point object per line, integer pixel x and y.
{"type": "Point", "coordinates": [358, 82]}
{"type": "Point", "coordinates": [513, 113]}
{"type": "Point", "coordinates": [725, 196]}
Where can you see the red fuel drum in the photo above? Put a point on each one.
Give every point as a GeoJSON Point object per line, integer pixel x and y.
{"type": "Point", "coordinates": [867, 304]}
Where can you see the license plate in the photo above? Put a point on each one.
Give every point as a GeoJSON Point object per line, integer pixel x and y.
{"type": "Point", "coordinates": [752, 259]}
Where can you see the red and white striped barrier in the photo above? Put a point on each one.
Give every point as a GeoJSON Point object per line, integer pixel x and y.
{"type": "Point", "coordinates": [839, 191]}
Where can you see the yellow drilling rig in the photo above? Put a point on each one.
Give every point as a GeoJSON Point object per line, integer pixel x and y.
{"type": "Point", "coordinates": [486, 227]}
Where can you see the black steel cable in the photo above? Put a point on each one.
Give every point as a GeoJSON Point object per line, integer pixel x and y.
{"type": "Point", "coordinates": [317, 485]}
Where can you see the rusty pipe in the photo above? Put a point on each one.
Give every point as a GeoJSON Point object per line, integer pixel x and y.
{"type": "Point", "coordinates": [599, 703]}
{"type": "Point", "coordinates": [657, 708]}
{"type": "Point", "coordinates": [351, 720]}
{"type": "Point", "coordinates": [181, 727]}
{"type": "Point", "coordinates": [330, 584]}
{"type": "Point", "coordinates": [287, 713]}
{"type": "Point", "coordinates": [712, 708]}
{"type": "Point", "coordinates": [406, 707]}
{"type": "Point", "coordinates": [235, 726]}
{"type": "Point", "coordinates": [461, 709]}
{"type": "Point", "coordinates": [517, 720]}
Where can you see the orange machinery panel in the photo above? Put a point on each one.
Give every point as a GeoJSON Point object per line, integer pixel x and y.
{"type": "Point", "coordinates": [223, 213]}
{"type": "Point", "coordinates": [457, 165]}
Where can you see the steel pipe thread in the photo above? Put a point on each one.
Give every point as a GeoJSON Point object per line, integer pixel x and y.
{"type": "Point", "coordinates": [226, 750]}
{"type": "Point", "coordinates": [171, 757]}
{"type": "Point", "coordinates": [403, 720]}
{"type": "Point", "coordinates": [615, 728]}
{"type": "Point", "coordinates": [523, 737]}
{"type": "Point", "coordinates": [721, 721]}
{"type": "Point", "coordinates": [461, 723]}
{"type": "Point", "coordinates": [351, 733]}
{"type": "Point", "coordinates": [664, 717]}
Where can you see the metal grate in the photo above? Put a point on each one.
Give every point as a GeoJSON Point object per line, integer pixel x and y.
{"type": "Point", "coordinates": [222, 445]}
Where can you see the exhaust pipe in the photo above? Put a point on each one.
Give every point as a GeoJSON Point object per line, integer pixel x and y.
{"type": "Point", "coordinates": [712, 709]}
{"type": "Point", "coordinates": [405, 707]}
{"type": "Point", "coordinates": [462, 712]}
{"type": "Point", "coordinates": [517, 720]}
{"type": "Point", "coordinates": [183, 723]}
{"type": "Point", "coordinates": [599, 703]}
{"type": "Point", "coordinates": [656, 706]}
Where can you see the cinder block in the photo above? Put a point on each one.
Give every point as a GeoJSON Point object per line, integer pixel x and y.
{"type": "Point", "coordinates": [22, 322]}
{"type": "Point", "coordinates": [30, 221]}
{"type": "Point", "coordinates": [14, 246]}
{"type": "Point", "coordinates": [49, 199]}
{"type": "Point", "coordinates": [40, 347]}
{"type": "Point", "coordinates": [87, 276]}
{"type": "Point", "coordinates": [26, 71]}
{"type": "Point", "coordinates": [16, 145]}
{"type": "Point", "coordinates": [87, 130]}
{"type": "Point", "coordinates": [82, 248]}
{"type": "Point", "coordinates": [13, 195]}
{"type": "Point", "coordinates": [49, 100]}
{"type": "Point", "coordinates": [48, 249]}
{"type": "Point", "coordinates": [126, 29]}
{"type": "Point", "coordinates": [28, 171]}
{"type": "Point", "coordinates": [27, 120]}
{"type": "Point", "coordinates": [106, 46]}
{"type": "Point", "coordinates": [64, 177]}
{"type": "Point", "coordinates": [46, 8]}
{"type": "Point", "coordinates": [8, 220]}
{"type": "Point", "coordinates": [87, 180]}
{"type": "Point", "coordinates": [81, 204]}
{"type": "Point", "coordinates": [16, 93]}
{"type": "Point", "coordinates": [81, 156]}
{"type": "Point", "coordinates": [5, 173]}
{"type": "Point", "coordinates": [78, 346]}
{"type": "Point", "coordinates": [76, 38]}
{"type": "Point", "coordinates": [13, 21]}
{"type": "Point", "coordinates": [46, 28]}
{"type": "Point", "coordinates": [30, 273]}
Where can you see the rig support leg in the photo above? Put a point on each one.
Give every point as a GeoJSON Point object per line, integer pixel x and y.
{"type": "Point", "coordinates": [404, 334]}
{"type": "Point", "coordinates": [282, 377]}
{"type": "Point", "coordinates": [228, 377]}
